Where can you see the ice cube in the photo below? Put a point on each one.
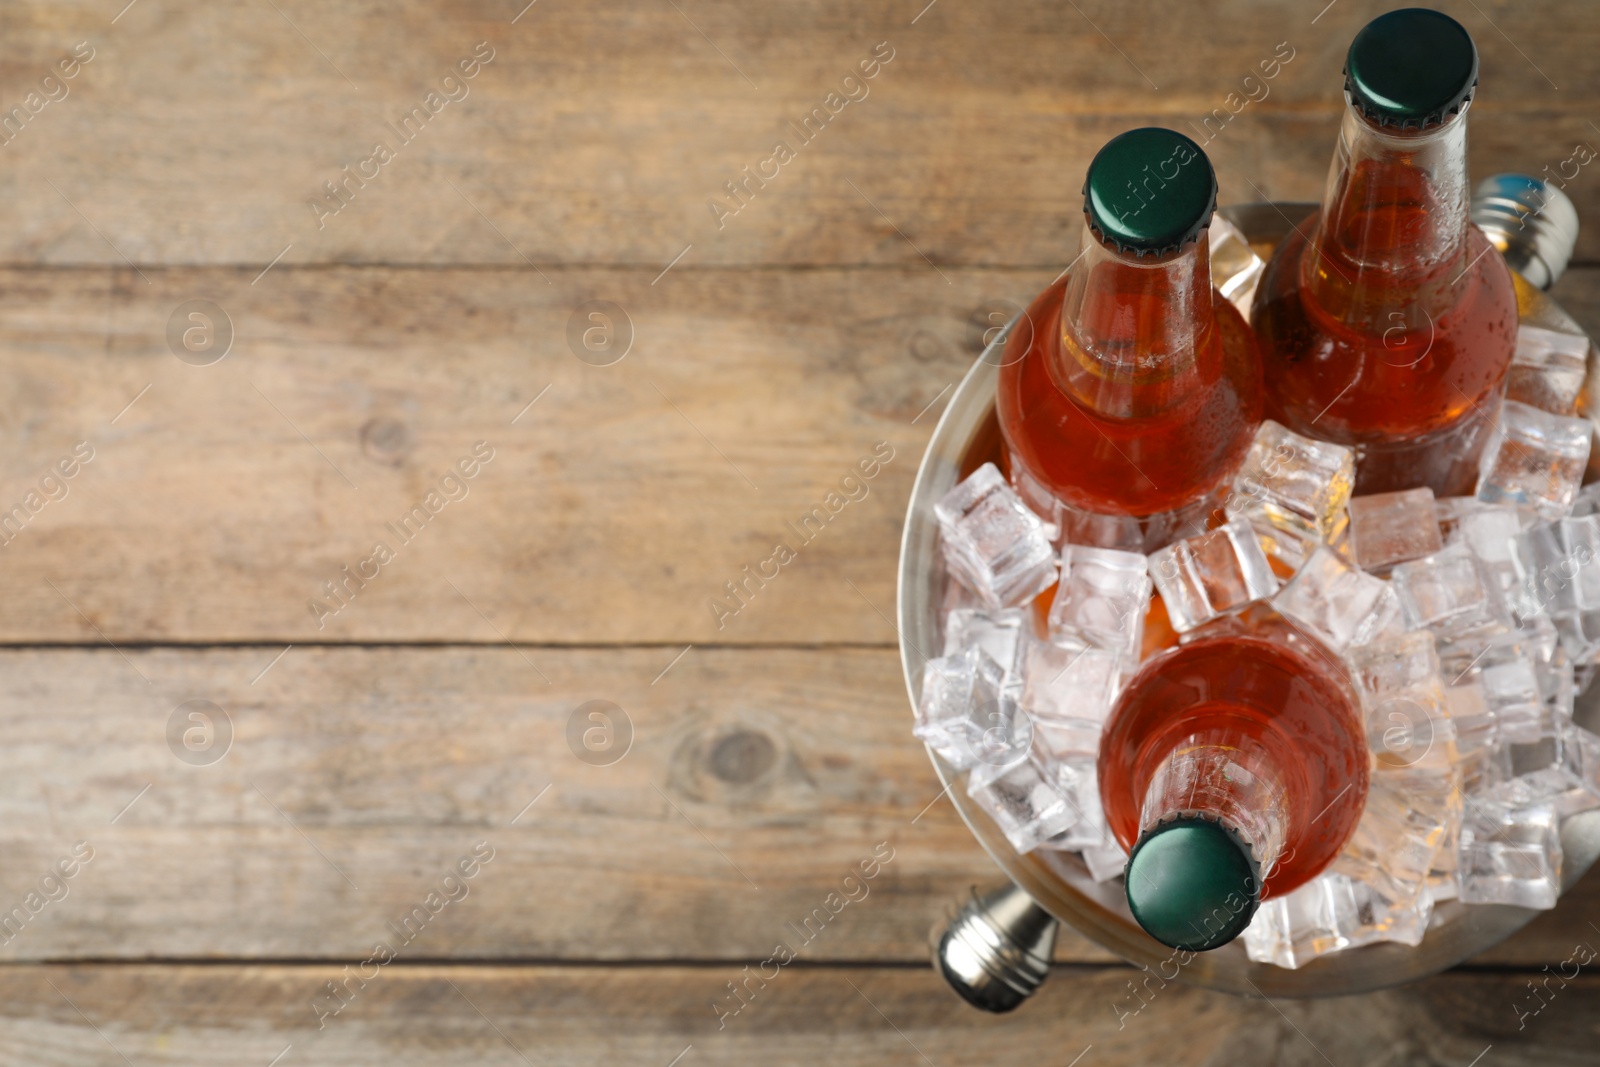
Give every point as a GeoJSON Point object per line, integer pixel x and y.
{"type": "Point", "coordinates": [1547, 368]}
{"type": "Point", "coordinates": [1556, 681]}
{"type": "Point", "coordinates": [1586, 794]}
{"type": "Point", "coordinates": [1559, 575]}
{"type": "Point", "coordinates": [1512, 692]}
{"type": "Point", "coordinates": [1407, 817]}
{"type": "Point", "coordinates": [1448, 594]}
{"type": "Point", "coordinates": [1390, 528]}
{"type": "Point", "coordinates": [1009, 736]}
{"type": "Point", "coordinates": [1037, 496]}
{"type": "Point", "coordinates": [962, 699]}
{"type": "Point", "coordinates": [1105, 862]}
{"type": "Point", "coordinates": [1067, 738]}
{"type": "Point", "coordinates": [1338, 604]}
{"type": "Point", "coordinates": [1580, 636]}
{"type": "Point", "coordinates": [1209, 575]}
{"type": "Point", "coordinates": [1235, 267]}
{"type": "Point", "coordinates": [1443, 883]}
{"type": "Point", "coordinates": [1487, 530]}
{"type": "Point", "coordinates": [1293, 491]}
{"type": "Point", "coordinates": [1402, 696]}
{"type": "Point", "coordinates": [1101, 601]}
{"type": "Point", "coordinates": [1080, 527]}
{"type": "Point", "coordinates": [1314, 920]}
{"type": "Point", "coordinates": [992, 542]}
{"type": "Point", "coordinates": [1542, 762]}
{"type": "Point", "coordinates": [1341, 542]}
{"type": "Point", "coordinates": [1581, 539]}
{"type": "Point", "coordinates": [1080, 783]}
{"type": "Point", "coordinates": [1509, 854]}
{"type": "Point", "coordinates": [996, 632]}
{"type": "Point", "coordinates": [1545, 569]}
{"type": "Point", "coordinates": [957, 597]}
{"type": "Point", "coordinates": [1534, 459]}
{"type": "Point", "coordinates": [1471, 718]}
{"type": "Point", "coordinates": [1442, 887]}
{"type": "Point", "coordinates": [1328, 914]}
{"type": "Point", "coordinates": [1587, 502]}
{"type": "Point", "coordinates": [1520, 706]}
{"type": "Point", "coordinates": [1060, 685]}
{"type": "Point", "coordinates": [1026, 801]}
{"type": "Point", "coordinates": [1483, 770]}
{"type": "Point", "coordinates": [1504, 673]}
{"type": "Point", "coordinates": [1381, 919]}
{"type": "Point", "coordinates": [1540, 636]}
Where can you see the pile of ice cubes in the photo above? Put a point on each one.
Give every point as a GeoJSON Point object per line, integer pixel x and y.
{"type": "Point", "coordinates": [1467, 626]}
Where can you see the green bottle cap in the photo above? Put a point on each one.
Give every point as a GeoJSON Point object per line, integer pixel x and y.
{"type": "Point", "coordinates": [1149, 191]}
{"type": "Point", "coordinates": [1192, 883]}
{"type": "Point", "coordinates": [1411, 68]}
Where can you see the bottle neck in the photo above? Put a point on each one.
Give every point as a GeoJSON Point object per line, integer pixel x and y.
{"type": "Point", "coordinates": [1393, 232]}
{"type": "Point", "coordinates": [1136, 333]}
{"type": "Point", "coordinates": [1224, 775]}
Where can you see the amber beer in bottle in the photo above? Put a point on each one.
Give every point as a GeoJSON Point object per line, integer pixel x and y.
{"type": "Point", "coordinates": [1134, 387]}
{"type": "Point", "coordinates": [1233, 768]}
{"type": "Point", "coordinates": [1387, 321]}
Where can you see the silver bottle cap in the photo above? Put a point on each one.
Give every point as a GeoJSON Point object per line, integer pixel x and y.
{"type": "Point", "coordinates": [1531, 222]}
{"type": "Point", "coordinates": [995, 950]}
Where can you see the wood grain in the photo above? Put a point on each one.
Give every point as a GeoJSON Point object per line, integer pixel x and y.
{"type": "Point", "coordinates": [599, 132]}
{"type": "Point", "coordinates": [433, 715]}
{"type": "Point", "coordinates": [576, 1017]}
{"type": "Point", "coordinates": [755, 782]}
{"type": "Point", "coordinates": [616, 509]}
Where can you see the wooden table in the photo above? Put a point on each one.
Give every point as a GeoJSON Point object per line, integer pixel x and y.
{"type": "Point", "coordinates": [352, 760]}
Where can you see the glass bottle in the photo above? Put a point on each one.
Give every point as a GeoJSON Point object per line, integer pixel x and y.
{"type": "Point", "coordinates": [1233, 768]}
{"type": "Point", "coordinates": [1387, 321]}
{"type": "Point", "coordinates": [1138, 386]}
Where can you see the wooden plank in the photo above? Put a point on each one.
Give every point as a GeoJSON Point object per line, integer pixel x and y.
{"type": "Point", "coordinates": [576, 1017]}
{"type": "Point", "coordinates": [756, 782]}
{"type": "Point", "coordinates": [617, 508]}
{"type": "Point", "coordinates": [220, 499]}
{"type": "Point", "coordinates": [599, 132]}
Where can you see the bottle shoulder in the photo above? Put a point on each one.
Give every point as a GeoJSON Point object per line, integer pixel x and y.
{"type": "Point", "coordinates": [1141, 446]}
{"type": "Point", "coordinates": [1247, 687]}
{"type": "Point", "coordinates": [1365, 362]}
{"type": "Point", "coordinates": [1355, 306]}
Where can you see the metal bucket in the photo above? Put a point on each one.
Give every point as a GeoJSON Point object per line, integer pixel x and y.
{"type": "Point", "coordinates": [1058, 882]}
